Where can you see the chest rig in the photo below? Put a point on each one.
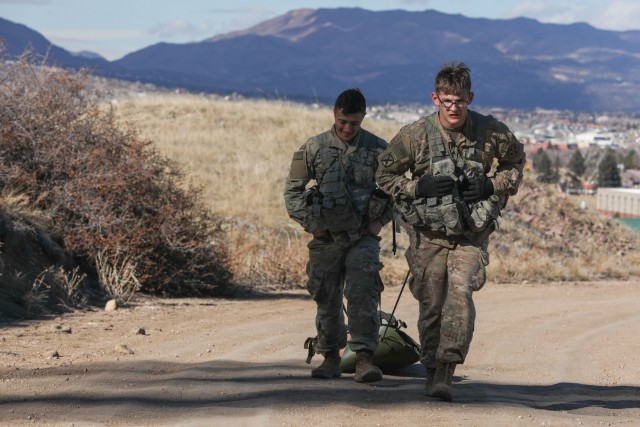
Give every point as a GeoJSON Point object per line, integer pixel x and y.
{"type": "Point", "coordinates": [345, 182]}
{"type": "Point", "coordinates": [461, 161]}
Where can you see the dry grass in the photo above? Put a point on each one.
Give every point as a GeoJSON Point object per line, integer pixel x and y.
{"type": "Point", "coordinates": [545, 236]}
{"type": "Point", "coordinates": [239, 153]}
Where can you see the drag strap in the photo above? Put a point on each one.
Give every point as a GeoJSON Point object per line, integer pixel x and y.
{"type": "Point", "coordinates": [310, 344]}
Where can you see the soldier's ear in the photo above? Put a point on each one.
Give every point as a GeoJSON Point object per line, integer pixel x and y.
{"type": "Point", "coordinates": [470, 97]}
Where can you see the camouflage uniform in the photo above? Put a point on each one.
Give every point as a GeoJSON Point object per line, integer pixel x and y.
{"type": "Point", "coordinates": [344, 202]}
{"type": "Point", "coordinates": [447, 254]}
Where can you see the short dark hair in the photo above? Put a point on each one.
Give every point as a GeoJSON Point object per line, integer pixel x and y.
{"type": "Point", "coordinates": [454, 78]}
{"type": "Point", "coordinates": [351, 101]}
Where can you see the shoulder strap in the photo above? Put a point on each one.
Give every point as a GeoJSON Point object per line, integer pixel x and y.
{"type": "Point", "coordinates": [437, 147]}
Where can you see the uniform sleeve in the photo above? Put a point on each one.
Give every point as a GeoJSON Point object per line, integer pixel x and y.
{"type": "Point", "coordinates": [394, 161]}
{"type": "Point", "coordinates": [387, 214]}
{"type": "Point", "coordinates": [511, 159]}
{"type": "Point", "coordinates": [301, 172]}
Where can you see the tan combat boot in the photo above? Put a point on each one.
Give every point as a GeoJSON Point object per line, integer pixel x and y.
{"type": "Point", "coordinates": [366, 371]}
{"type": "Point", "coordinates": [329, 368]}
{"type": "Point", "coordinates": [441, 387]}
{"type": "Point", "coordinates": [431, 374]}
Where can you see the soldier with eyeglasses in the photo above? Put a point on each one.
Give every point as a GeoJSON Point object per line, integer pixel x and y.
{"type": "Point", "coordinates": [448, 195]}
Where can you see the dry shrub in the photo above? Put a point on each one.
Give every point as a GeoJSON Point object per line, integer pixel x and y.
{"type": "Point", "coordinates": [52, 289]}
{"type": "Point", "coordinates": [31, 262]}
{"type": "Point", "coordinates": [72, 283]}
{"type": "Point", "coordinates": [266, 257]}
{"type": "Point", "coordinates": [117, 274]}
{"type": "Point", "coordinates": [545, 236]}
{"type": "Point", "coordinates": [35, 299]}
{"type": "Point", "coordinates": [105, 189]}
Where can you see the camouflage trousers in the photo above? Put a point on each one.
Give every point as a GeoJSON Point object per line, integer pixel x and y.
{"type": "Point", "coordinates": [443, 281]}
{"type": "Point", "coordinates": [335, 270]}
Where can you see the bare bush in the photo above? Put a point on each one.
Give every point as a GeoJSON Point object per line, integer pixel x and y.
{"type": "Point", "coordinates": [72, 283]}
{"type": "Point", "coordinates": [35, 299]}
{"type": "Point", "coordinates": [117, 275]}
{"type": "Point", "coordinates": [102, 185]}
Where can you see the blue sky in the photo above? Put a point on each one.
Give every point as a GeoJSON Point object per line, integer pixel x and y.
{"type": "Point", "coordinates": [114, 28]}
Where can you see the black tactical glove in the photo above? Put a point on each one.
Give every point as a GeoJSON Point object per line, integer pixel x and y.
{"type": "Point", "coordinates": [475, 189]}
{"type": "Point", "coordinates": [434, 186]}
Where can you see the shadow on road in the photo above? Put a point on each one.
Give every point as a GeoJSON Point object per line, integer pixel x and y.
{"type": "Point", "coordinates": [233, 383]}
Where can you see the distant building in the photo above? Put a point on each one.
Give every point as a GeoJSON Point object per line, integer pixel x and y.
{"type": "Point", "coordinates": [602, 139]}
{"type": "Point", "coordinates": [619, 202]}
{"type": "Point", "coordinates": [630, 178]}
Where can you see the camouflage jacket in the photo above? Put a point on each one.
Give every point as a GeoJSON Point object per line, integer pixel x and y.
{"type": "Point", "coordinates": [341, 171]}
{"type": "Point", "coordinates": [409, 151]}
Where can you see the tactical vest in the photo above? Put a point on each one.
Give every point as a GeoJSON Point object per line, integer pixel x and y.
{"type": "Point", "coordinates": [450, 214]}
{"type": "Point", "coordinates": [345, 184]}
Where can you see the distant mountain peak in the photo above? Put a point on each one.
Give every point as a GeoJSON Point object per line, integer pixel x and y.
{"type": "Point", "coordinates": [87, 54]}
{"type": "Point", "coordinates": [293, 25]}
{"type": "Point", "coordinates": [393, 56]}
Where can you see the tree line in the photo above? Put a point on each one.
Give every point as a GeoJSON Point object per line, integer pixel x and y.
{"type": "Point", "coordinates": [605, 165]}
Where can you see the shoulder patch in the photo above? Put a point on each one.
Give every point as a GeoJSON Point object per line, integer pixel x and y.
{"type": "Point", "coordinates": [387, 160]}
{"type": "Point", "coordinates": [399, 151]}
{"type": "Point", "coordinates": [298, 169]}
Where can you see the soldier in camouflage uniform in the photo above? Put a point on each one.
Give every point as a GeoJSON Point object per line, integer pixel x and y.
{"type": "Point", "coordinates": [449, 205]}
{"type": "Point", "coordinates": [344, 212]}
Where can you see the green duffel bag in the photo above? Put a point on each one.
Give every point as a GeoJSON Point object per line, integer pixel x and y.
{"type": "Point", "coordinates": [396, 349]}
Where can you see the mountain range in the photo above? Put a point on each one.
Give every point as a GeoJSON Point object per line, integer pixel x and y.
{"type": "Point", "coordinates": [393, 56]}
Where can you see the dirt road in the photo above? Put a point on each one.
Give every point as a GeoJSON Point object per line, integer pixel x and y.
{"type": "Point", "coordinates": [543, 355]}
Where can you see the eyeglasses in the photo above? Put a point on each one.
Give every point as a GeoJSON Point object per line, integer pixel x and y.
{"type": "Point", "coordinates": [460, 103]}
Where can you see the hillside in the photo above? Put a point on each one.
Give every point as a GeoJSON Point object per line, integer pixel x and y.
{"type": "Point", "coordinates": [242, 164]}
{"type": "Point", "coordinates": [233, 156]}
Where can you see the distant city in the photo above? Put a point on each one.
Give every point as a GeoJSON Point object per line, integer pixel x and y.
{"type": "Point", "coordinates": [564, 132]}
{"type": "Point", "coordinates": [560, 129]}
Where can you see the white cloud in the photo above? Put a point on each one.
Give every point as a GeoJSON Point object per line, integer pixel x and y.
{"type": "Point", "coordinates": [240, 18]}
{"type": "Point", "coordinates": [92, 35]}
{"type": "Point", "coordinates": [619, 15]}
{"type": "Point", "coordinates": [551, 11]}
{"type": "Point", "coordinates": [222, 21]}
{"type": "Point", "coordinates": [612, 15]}
{"type": "Point", "coordinates": [423, 4]}
{"type": "Point", "coordinates": [180, 28]}
{"type": "Point", "coordinates": [111, 44]}
{"type": "Point", "coordinates": [23, 2]}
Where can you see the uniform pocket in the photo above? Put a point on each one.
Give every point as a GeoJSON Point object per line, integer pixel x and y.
{"type": "Point", "coordinates": [480, 278]}
{"type": "Point", "coordinates": [377, 205]}
{"type": "Point", "coordinates": [452, 219]}
{"type": "Point", "coordinates": [341, 216]}
{"type": "Point", "coordinates": [484, 213]}
{"type": "Point", "coordinates": [315, 284]}
{"type": "Point", "coordinates": [362, 174]}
